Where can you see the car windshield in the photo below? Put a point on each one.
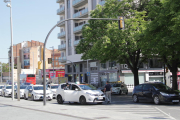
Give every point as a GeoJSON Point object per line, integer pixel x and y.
{"type": "Point", "coordinates": [87, 87]}
{"type": "Point", "coordinates": [38, 88]}
{"type": "Point", "coordinates": [54, 87]}
{"type": "Point", "coordinates": [161, 87]}
{"type": "Point", "coordinates": [115, 85]}
{"type": "Point", "coordinates": [23, 87]}
{"type": "Point", "coordinates": [1, 87]}
{"type": "Point", "coordinates": [9, 87]}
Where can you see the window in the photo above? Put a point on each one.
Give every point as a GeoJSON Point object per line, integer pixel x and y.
{"type": "Point", "coordinates": [68, 3]}
{"type": "Point", "coordinates": [147, 87]}
{"type": "Point", "coordinates": [81, 67]}
{"type": "Point", "coordinates": [155, 63]}
{"type": "Point", "coordinates": [74, 87]}
{"type": "Point", "coordinates": [139, 87]}
{"type": "Point", "coordinates": [56, 63]}
{"type": "Point", "coordinates": [112, 64]}
{"type": "Point", "coordinates": [63, 85]}
{"type": "Point", "coordinates": [69, 68]}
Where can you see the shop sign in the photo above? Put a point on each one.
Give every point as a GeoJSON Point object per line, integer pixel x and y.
{"type": "Point", "coordinates": [155, 73]}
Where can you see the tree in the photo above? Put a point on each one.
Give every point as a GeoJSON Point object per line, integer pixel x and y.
{"type": "Point", "coordinates": [105, 42]}
{"type": "Point", "coordinates": [162, 34]}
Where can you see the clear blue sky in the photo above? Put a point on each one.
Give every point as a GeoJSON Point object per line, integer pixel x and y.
{"type": "Point", "coordinates": [32, 20]}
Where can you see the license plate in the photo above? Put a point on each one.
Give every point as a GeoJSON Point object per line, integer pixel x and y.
{"type": "Point", "coordinates": [175, 100]}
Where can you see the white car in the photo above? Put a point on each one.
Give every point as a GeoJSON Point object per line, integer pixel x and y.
{"type": "Point", "coordinates": [35, 92]}
{"type": "Point", "coordinates": [119, 88]}
{"type": "Point", "coordinates": [7, 91]}
{"type": "Point", "coordinates": [83, 93]}
{"type": "Point", "coordinates": [1, 87]}
{"type": "Point", "coordinates": [53, 88]}
{"type": "Point", "coordinates": [22, 88]}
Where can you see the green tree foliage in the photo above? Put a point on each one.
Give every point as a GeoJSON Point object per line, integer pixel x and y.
{"type": "Point", "coordinates": [162, 36]}
{"type": "Point", "coordinates": [105, 42]}
{"type": "Point", "coordinates": [5, 67]}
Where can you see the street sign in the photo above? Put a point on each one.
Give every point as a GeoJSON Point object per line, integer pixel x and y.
{"type": "Point", "coordinates": [88, 73]}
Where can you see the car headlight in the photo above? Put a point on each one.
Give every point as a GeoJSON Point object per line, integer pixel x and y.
{"type": "Point", "coordinates": [164, 94]}
{"type": "Point", "coordinates": [90, 94]}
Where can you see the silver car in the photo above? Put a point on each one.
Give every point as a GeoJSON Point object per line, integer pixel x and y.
{"type": "Point", "coordinates": [119, 88]}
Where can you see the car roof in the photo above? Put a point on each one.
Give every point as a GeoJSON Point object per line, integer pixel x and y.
{"type": "Point", "coordinates": [152, 83]}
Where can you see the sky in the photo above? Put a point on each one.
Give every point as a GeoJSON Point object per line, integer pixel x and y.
{"type": "Point", "coordinates": [31, 20]}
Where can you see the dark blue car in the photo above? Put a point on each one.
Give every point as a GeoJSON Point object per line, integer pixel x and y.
{"type": "Point", "coordinates": [155, 92]}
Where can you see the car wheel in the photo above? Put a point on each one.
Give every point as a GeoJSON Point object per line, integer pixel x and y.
{"type": "Point", "coordinates": [135, 99]}
{"type": "Point", "coordinates": [82, 100]}
{"type": "Point", "coordinates": [59, 99]}
{"type": "Point", "coordinates": [50, 99]}
{"type": "Point", "coordinates": [32, 98]}
{"type": "Point", "coordinates": [120, 92]}
{"type": "Point", "coordinates": [156, 100]}
{"type": "Point", "coordinates": [99, 102]}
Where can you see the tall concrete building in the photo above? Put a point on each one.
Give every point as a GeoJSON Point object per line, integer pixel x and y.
{"type": "Point", "coordinates": [94, 72]}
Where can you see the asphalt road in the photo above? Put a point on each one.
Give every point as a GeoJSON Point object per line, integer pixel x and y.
{"type": "Point", "coordinates": [122, 106]}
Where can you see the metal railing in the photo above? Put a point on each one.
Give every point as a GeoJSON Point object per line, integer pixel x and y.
{"type": "Point", "coordinates": [78, 28]}
{"type": "Point", "coordinates": [63, 46]}
{"type": "Point", "coordinates": [102, 2]}
{"type": "Point", "coordinates": [76, 42]}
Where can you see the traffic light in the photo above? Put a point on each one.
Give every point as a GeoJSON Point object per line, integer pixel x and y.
{"type": "Point", "coordinates": [121, 22]}
{"type": "Point", "coordinates": [49, 60]}
{"type": "Point", "coordinates": [166, 69]}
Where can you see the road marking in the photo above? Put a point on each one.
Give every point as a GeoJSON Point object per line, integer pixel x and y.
{"type": "Point", "coordinates": [165, 113]}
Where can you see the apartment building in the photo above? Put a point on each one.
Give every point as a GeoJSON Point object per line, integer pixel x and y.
{"type": "Point", "coordinates": [90, 71]}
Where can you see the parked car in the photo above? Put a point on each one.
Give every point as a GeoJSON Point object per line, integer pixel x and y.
{"type": "Point", "coordinates": [119, 88]}
{"type": "Point", "coordinates": [156, 92]}
{"type": "Point", "coordinates": [22, 88]}
{"type": "Point", "coordinates": [1, 88]}
{"type": "Point", "coordinates": [7, 91]}
{"type": "Point", "coordinates": [35, 92]}
{"type": "Point", "coordinates": [83, 93]}
{"type": "Point", "coordinates": [53, 88]}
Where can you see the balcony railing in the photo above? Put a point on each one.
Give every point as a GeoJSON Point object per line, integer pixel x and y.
{"type": "Point", "coordinates": [78, 28]}
{"type": "Point", "coordinates": [60, 10]}
{"type": "Point", "coordinates": [26, 64]}
{"type": "Point", "coordinates": [63, 46]}
{"type": "Point", "coordinates": [61, 23]}
{"type": "Point", "coordinates": [26, 57]}
{"type": "Point", "coordinates": [63, 59]}
{"type": "Point", "coordinates": [62, 34]}
{"type": "Point", "coordinates": [80, 13]}
{"type": "Point", "coordinates": [76, 42]}
{"type": "Point", "coordinates": [78, 3]}
{"type": "Point", "coordinates": [102, 2]}
{"type": "Point", "coordinates": [58, 1]}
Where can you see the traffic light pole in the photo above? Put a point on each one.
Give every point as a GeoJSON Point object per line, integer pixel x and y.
{"type": "Point", "coordinates": [44, 69]}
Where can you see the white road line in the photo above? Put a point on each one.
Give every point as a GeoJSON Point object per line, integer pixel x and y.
{"type": "Point", "coordinates": [165, 113]}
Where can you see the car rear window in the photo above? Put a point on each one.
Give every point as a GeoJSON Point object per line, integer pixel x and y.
{"type": "Point", "coordinates": [30, 75]}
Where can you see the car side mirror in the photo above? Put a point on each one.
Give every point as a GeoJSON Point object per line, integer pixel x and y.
{"type": "Point", "coordinates": [76, 89]}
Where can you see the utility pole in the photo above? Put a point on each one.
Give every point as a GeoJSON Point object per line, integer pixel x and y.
{"type": "Point", "coordinates": [1, 72]}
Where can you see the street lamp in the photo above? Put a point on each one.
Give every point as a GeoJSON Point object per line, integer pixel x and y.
{"type": "Point", "coordinates": [53, 60]}
{"type": "Point", "coordinates": [12, 61]}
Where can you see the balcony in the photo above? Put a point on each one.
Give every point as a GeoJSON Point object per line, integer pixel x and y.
{"type": "Point", "coordinates": [102, 2]}
{"type": "Point", "coordinates": [82, 13]}
{"type": "Point", "coordinates": [61, 24]}
{"type": "Point", "coordinates": [61, 11]}
{"type": "Point", "coordinates": [76, 42]}
{"type": "Point", "coordinates": [62, 47]}
{"type": "Point", "coordinates": [59, 1]}
{"type": "Point", "coordinates": [78, 29]}
{"type": "Point", "coordinates": [61, 35]}
{"type": "Point", "coordinates": [63, 59]}
{"type": "Point", "coordinates": [78, 3]}
{"type": "Point", "coordinates": [26, 57]}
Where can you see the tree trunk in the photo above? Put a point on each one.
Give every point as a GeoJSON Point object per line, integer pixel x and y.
{"type": "Point", "coordinates": [136, 76]}
{"type": "Point", "coordinates": [174, 78]}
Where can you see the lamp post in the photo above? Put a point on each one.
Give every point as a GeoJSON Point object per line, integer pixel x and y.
{"type": "Point", "coordinates": [53, 60]}
{"type": "Point", "coordinates": [12, 61]}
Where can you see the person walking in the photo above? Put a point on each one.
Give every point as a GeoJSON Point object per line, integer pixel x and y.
{"type": "Point", "coordinates": [108, 91]}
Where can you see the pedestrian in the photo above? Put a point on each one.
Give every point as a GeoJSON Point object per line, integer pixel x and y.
{"type": "Point", "coordinates": [108, 91]}
{"type": "Point", "coordinates": [67, 87]}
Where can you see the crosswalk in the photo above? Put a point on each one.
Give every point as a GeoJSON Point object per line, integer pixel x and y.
{"type": "Point", "coordinates": [147, 112]}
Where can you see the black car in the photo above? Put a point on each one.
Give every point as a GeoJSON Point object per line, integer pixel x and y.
{"type": "Point", "coordinates": [156, 92]}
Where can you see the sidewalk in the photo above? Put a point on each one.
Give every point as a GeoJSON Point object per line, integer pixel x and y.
{"type": "Point", "coordinates": [35, 109]}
